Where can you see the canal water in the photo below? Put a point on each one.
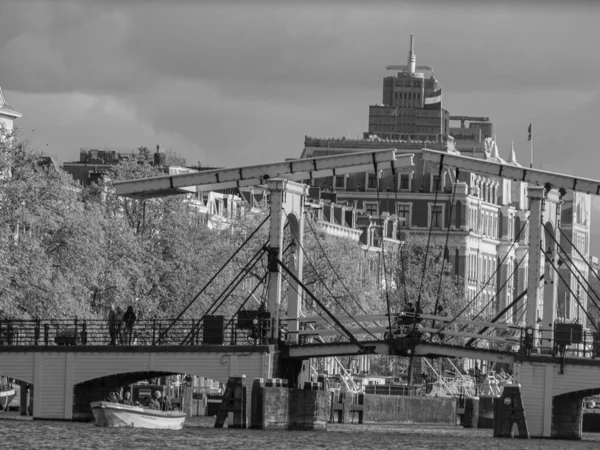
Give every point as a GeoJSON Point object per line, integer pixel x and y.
{"type": "Point", "coordinates": [199, 434]}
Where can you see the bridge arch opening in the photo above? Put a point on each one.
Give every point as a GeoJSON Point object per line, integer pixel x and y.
{"type": "Point", "coordinates": [567, 413]}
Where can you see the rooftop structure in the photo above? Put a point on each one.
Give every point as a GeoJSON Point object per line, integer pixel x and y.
{"type": "Point", "coordinates": [7, 114]}
{"type": "Point", "coordinates": [411, 107]}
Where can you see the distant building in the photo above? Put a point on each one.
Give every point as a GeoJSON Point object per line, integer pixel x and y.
{"type": "Point", "coordinates": [470, 136]}
{"type": "Point", "coordinates": [94, 163]}
{"type": "Point", "coordinates": [411, 107]}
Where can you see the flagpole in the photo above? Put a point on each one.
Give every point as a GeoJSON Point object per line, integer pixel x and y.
{"type": "Point", "coordinates": [531, 145]}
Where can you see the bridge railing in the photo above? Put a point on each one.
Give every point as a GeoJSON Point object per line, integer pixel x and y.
{"type": "Point", "coordinates": [151, 332]}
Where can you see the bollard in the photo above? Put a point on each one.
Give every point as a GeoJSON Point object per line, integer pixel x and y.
{"type": "Point", "coordinates": [470, 418]}
{"type": "Point", "coordinates": [256, 407]}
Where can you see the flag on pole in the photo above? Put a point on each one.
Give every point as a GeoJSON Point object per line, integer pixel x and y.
{"type": "Point", "coordinates": [433, 100]}
{"type": "Point", "coordinates": [529, 131]}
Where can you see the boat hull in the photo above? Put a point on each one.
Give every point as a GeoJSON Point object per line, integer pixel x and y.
{"type": "Point", "coordinates": [6, 396]}
{"type": "Point", "coordinates": [109, 414]}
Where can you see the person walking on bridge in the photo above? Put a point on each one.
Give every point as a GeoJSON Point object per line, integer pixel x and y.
{"type": "Point", "coordinates": [129, 319]}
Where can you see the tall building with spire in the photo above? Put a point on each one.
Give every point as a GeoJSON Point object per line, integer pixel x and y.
{"type": "Point", "coordinates": [411, 107]}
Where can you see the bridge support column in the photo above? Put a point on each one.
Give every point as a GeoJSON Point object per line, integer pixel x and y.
{"type": "Point", "coordinates": [536, 196]}
{"type": "Point", "coordinates": [287, 202]}
{"type": "Point", "coordinates": [551, 278]}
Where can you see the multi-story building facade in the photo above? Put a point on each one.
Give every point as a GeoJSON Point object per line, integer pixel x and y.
{"type": "Point", "coordinates": [485, 219]}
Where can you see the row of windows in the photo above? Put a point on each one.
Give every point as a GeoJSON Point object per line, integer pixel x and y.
{"type": "Point", "coordinates": [435, 216]}
{"type": "Point", "coordinates": [408, 83]}
{"type": "Point", "coordinates": [407, 95]}
{"type": "Point", "coordinates": [481, 268]}
{"type": "Point", "coordinates": [382, 119]}
{"type": "Point", "coordinates": [404, 181]}
{"type": "Point", "coordinates": [483, 222]}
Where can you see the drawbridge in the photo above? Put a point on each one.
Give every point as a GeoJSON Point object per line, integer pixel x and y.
{"type": "Point", "coordinates": [539, 350]}
{"type": "Point", "coordinates": [554, 369]}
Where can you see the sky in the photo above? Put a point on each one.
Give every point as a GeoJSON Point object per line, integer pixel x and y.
{"type": "Point", "coordinates": [230, 83]}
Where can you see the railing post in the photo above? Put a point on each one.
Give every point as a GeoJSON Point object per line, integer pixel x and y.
{"type": "Point", "coordinates": [84, 333]}
{"type": "Point", "coordinates": [193, 332]}
{"type": "Point", "coordinates": [36, 332]}
{"type": "Point", "coordinates": [233, 334]}
{"type": "Point", "coordinates": [154, 332]}
{"type": "Point", "coordinates": [46, 332]}
{"type": "Point", "coordinates": [75, 340]}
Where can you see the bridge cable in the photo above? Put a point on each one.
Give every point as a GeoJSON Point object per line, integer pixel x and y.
{"type": "Point", "coordinates": [590, 297]}
{"type": "Point", "coordinates": [498, 290]}
{"type": "Point", "coordinates": [387, 290]}
{"type": "Point", "coordinates": [433, 209]}
{"type": "Point", "coordinates": [501, 313]}
{"type": "Point", "coordinates": [228, 290]}
{"type": "Point", "coordinates": [579, 253]}
{"type": "Point", "coordinates": [262, 280]}
{"type": "Point", "coordinates": [487, 282]}
{"type": "Point", "coordinates": [506, 309]}
{"type": "Point", "coordinates": [326, 319]}
{"type": "Point", "coordinates": [570, 261]}
{"type": "Point", "coordinates": [565, 254]}
{"type": "Point", "coordinates": [235, 282]}
{"type": "Point", "coordinates": [299, 292]}
{"type": "Point", "coordinates": [190, 335]}
{"type": "Point", "coordinates": [339, 278]}
{"type": "Point", "coordinates": [365, 349]}
{"type": "Point", "coordinates": [332, 267]}
{"type": "Point", "coordinates": [437, 297]}
{"type": "Point", "coordinates": [327, 288]}
{"type": "Point", "coordinates": [571, 291]}
{"type": "Point", "coordinates": [401, 244]}
{"type": "Point", "coordinates": [212, 278]}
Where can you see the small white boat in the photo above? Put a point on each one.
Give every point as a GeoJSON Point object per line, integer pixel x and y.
{"type": "Point", "coordinates": [6, 396]}
{"type": "Point", "coordinates": [108, 414]}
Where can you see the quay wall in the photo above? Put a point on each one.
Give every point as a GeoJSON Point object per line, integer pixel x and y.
{"type": "Point", "coordinates": [399, 408]}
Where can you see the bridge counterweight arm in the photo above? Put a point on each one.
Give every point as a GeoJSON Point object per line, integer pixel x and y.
{"type": "Point", "coordinates": [295, 170]}
{"type": "Point", "coordinates": [533, 176]}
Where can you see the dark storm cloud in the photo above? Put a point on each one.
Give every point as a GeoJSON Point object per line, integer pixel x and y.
{"type": "Point", "coordinates": [237, 82]}
{"type": "Point", "coordinates": [120, 47]}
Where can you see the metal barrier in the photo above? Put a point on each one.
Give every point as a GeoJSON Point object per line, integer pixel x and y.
{"type": "Point", "coordinates": [17, 332]}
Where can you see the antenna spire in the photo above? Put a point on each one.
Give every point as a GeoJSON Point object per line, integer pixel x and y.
{"type": "Point", "coordinates": [412, 58]}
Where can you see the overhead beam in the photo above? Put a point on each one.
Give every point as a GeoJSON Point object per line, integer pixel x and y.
{"type": "Point", "coordinates": [295, 170]}
{"type": "Point", "coordinates": [383, 348]}
{"type": "Point", "coordinates": [534, 176]}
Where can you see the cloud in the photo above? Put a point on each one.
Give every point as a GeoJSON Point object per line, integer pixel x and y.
{"type": "Point", "coordinates": [61, 124]}
{"type": "Point", "coordinates": [243, 82]}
